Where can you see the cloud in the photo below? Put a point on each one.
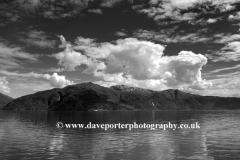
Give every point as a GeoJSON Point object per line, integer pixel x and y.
{"type": "Point", "coordinates": [37, 39]}
{"type": "Point", "coordinates": [233, 46]}
{"type": "Point", "coordinates": [12, 57]}
{"type": "Point", "coordinates": [137, 58]}
{"type": "Point", "coordinates": [4, 85]}
{"type": "Point", "coordinates": [59, 81]}
{"type": "Point", "coordinates": [230, 52]}
{"type": "Point", "coordinates": [69, 59]}
{"type": "Point", "coordinates": [186, 69]}
{"type": "Point", "coordinates": [170, 9]}
{"type": "Point", "coordinates": [148, 84]}
{"type": "Point", "coordinates": [224, 7]}
{"type": "Point", "coordinates": [225, 85]}
{"type": "Point", "coordinates": [211, 20]}
{"type": "Point", "coordinates": [184, 4]}
{"type": "Point", "coordinates": [54, 70]}
{"type": "Point", "coordinates": [120, 34]}
{"type": "Point", "coordinates": [96, 11]}
{"type": "Point", "coordinates": [84, 41]}
{"type": "Point", "coordinates": [170, 36]}
{"type": "Point", "coordinates": [109, 3]}
{"type": "Point", "coordinates": [142, 64]}
{"type": "Point", "coordinates": [225, 69]}
{"type": "Point", "coordinates": [168, 13]}
{"type": "Point", "coordinates": [234, 17]}
{"type": "Point", "coordinates": [13, 11]}
{"type": "Point", "coordinates": [225, 38]}
{"type": "Point", "coordinates": [55, 79]}
{"type": "Point", "coordinates": [161, 11]}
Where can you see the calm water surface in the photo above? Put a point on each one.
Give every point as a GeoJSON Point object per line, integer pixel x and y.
{"type": "Point", "coordinates": [33, 135]}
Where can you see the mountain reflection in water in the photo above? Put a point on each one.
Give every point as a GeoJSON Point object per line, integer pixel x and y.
{"type": "Point", "coordinates": [33, 135]}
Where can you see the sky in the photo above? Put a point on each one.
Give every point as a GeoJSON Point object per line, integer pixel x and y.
{"type": "Point", "coordinates": [190, 45]}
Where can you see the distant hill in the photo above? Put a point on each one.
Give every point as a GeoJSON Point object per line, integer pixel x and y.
{"type": "Point", "coordinates": [4, 100]}
{"type": "Point", "coordinates": [89, 96]}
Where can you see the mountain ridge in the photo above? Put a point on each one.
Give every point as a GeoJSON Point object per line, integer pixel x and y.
{"type": "Point", "coordinates": [4, 99]}
{"type": "Point", "coordinates": [89, 96]}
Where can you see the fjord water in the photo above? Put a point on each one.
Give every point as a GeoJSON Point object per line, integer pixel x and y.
{"type": "Point", "coordinates": [34, 135]}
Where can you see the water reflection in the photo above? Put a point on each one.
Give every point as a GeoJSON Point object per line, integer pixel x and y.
{"type": "Point", "coordinates": [33, 135]}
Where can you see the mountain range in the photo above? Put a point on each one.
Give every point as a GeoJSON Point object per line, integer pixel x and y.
{"type": "Point", "coordinates": [93, 97]}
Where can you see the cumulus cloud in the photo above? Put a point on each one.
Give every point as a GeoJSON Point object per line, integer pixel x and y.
{"type": "Point", "coordinates": [4, 85]}
{"type": "Point", "coordinates": [59, 81]}
{"type": "Point", "coordinates": [54, 79]}
{"type": "Point", "coordinates": [142, 64]}
{"type": "Point", "coordinates": [186, 69]}
{"type": "Point", "coordinates": [69, 59]}
{"type": "Point", "coordinates": [136, 58]}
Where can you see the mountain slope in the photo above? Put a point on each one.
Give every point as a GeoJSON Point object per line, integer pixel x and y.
{"type": "Point", "coordinates": [89, 96]}
{"type": "Point", "coordinates": [4, 100]}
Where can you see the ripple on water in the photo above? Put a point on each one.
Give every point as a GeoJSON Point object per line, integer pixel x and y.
{"type": "Point", "coordinates": [33, 135]}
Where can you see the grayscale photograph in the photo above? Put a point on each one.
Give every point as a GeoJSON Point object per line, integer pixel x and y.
{"type": "Point", "coordinates": [119, 79]}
